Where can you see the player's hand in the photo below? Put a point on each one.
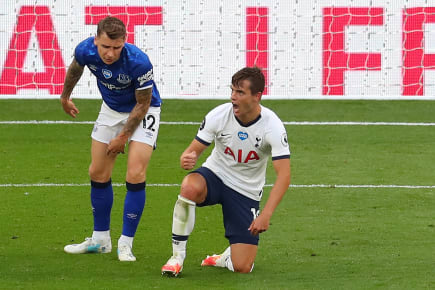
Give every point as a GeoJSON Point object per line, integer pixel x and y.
{"type": "Point", "coordinates": [69, 107]}
{"type": "Point", "coordinates": [188, 160]}
{"type": "Point", "coordinates": [116, 145]}
{"type": "Point", "coordinates": [259, 225]}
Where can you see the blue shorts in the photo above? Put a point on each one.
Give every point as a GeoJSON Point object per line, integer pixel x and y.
{"type": "Point", "coordinates": [238, 210]}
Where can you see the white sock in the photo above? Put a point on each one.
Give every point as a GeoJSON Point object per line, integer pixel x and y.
{"type": "Point", "coordinates": [101, 235]}
{"type": "Point", "coordinates": [179, 249]}
{"type": "Point", "coordinates": [126, 241]}
{"type": "Point", "coordinates": [229, 263]}
{"type": "Point", "coordinates": [226, 260]}
{"type": "Point", "coordinates": [221, 262]}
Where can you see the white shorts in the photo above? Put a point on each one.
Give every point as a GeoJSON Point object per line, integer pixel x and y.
{"type": "Point", "coordinates": [110, 123]}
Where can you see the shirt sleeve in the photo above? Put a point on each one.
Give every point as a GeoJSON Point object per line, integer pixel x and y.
{"type": "Point", "coordinates": [144, 74]}
{"type": "Point", "coordinates": [78, 55]}
{"type": "Point", "coordinates": [277, 138]}
{"type": "Point", "coordinates": [207, 131]}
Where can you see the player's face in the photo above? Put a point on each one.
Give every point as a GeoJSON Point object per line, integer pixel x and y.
{"type": "Point", "coordinates": [109, 49]}
{"type": "Point", "coordinates": [246, 106]}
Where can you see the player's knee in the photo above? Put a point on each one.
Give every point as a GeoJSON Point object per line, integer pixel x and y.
{"type": "Point", "coordinates": [194, 188]}
{"type": "Point", "coordinates": [98, 175]}
{"type": "Point", "coordinates": [191, 191]}
{"type": "Point", "coordinates": [136, 174]}
{"type": "Point", "coordinates": [243, 268]}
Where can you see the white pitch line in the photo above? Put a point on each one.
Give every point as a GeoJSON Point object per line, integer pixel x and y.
{"type": "Point", "coordinates": [267, 185]}
{"type": "Point", "coordinates": [294, 123]}
{"type": "Point", "coordinates": [358, 123]}
{"type": "Point", "coordinates": [44, 122]}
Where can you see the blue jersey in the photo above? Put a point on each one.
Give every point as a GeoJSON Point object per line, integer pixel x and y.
{"type": "Point", "coordinates": [118, 81]}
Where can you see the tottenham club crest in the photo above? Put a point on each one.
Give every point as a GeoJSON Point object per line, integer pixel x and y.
{"type": "Point", "coordinates": [257, 141]}
{"type": "Point", "coordinates": [106, 73]}
{"type": "Point", "coordinates": [123, 79]}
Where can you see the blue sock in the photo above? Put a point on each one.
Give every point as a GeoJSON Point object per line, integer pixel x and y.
{"type": "Point", "coordinates": [133, 208]}
{"type": "Point", "coordinates": [101, 200]}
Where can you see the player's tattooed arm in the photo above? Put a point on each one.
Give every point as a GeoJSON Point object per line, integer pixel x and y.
{"type": "Point", "coordinates": [73, 75]}
{"type": "Point", "coordinates": [143, 98]}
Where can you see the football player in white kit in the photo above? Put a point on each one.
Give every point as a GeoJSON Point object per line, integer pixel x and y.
{"type": "Point", "coordinates": [246, 134]}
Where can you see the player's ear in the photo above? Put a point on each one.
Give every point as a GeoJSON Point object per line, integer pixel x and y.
{"type": "Point", "coordinates": [258, 96]}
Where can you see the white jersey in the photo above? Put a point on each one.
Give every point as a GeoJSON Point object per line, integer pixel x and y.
{"type": "Point", "coordinates": [240, 155]}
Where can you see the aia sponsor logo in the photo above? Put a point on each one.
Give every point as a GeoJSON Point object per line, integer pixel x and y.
{"type": "Point", "coordinates": [242, 157]}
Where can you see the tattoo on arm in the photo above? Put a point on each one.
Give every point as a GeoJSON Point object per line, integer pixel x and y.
{"type": "Point", "coordinates": [143, 98]}
{"type": "Point", "coordinates": [73, 75]}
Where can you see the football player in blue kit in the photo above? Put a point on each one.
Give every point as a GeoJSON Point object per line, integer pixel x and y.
{"type": "Point", "coordinates": [246, 134]}
{"type": "Point", "coordinates": [130, 113]}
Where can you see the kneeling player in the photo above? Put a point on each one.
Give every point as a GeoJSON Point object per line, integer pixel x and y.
{"type": "Point", "coordinates": [246, 134]}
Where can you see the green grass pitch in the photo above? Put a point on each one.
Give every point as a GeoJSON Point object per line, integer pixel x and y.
{"type": "Point", "coordinates": [328, 237]}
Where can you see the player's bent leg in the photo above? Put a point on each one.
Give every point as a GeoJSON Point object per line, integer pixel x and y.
{"type": "Point", "coordinates": [237, 258]}
{"type": "Point", "coordinates": [243, 257]}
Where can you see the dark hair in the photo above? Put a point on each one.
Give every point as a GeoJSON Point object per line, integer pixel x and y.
{"type": "Point", "coordinates": [252, 74]}
{"type": "Point", "coordinates": [112, 26]}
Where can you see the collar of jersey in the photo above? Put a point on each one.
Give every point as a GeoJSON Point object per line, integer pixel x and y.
{"type": "Point", "coordinates": [250, 123]}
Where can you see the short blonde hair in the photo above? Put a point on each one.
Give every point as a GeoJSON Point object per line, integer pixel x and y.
{"type": "Point", "coordinates": [112, 26]}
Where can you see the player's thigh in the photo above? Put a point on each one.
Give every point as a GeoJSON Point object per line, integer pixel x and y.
{"type": "Point", "coordinates": [142, 143]}
{"type": "Point", "coordinates": [243, 257]}
{"type": "Point", "coordinates": [139, 155]}
{"type": "Point", "coordinates": [238, 212]}
{"type": "Point", "coordinates": [148, 130]}
{"type": "Point", "coordinates": [102, 164]}
{"type": "Point", "coordinates": [194, 187]}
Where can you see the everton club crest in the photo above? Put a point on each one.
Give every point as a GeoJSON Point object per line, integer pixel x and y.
{"type": "Point", "coordinates": [123, 79]}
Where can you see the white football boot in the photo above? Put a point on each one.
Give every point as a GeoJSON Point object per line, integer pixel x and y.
{"type": "Point", "coordinates": [90, 245]}
{"type": "Point", "coordinates": [125, 254]}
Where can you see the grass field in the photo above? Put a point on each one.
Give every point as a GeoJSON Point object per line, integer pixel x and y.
{"type": "Point", "coordinates": [334, 236]}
